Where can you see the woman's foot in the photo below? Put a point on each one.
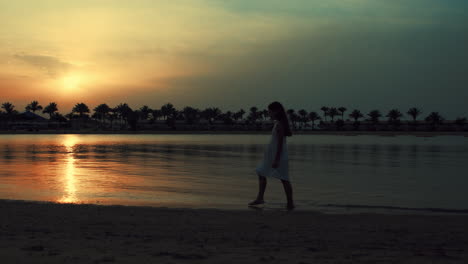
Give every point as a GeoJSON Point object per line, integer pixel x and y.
{"type": "Point", "coordinates": [290, 206]}
{"type": "Point", "coordinates": [256, 202]}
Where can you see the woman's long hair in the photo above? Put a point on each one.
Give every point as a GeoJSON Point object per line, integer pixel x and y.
{"type": "Point", "coordinates": [282, 117]}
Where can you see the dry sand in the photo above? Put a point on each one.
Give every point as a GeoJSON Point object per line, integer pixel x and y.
{"type": "Point", "coordinates": [63, 233]}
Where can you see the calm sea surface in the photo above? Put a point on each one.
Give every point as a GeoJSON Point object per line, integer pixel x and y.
{"type": "Point", "coordinates": [218, 171]}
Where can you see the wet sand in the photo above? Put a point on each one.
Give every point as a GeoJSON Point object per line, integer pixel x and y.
{"type": "Point", "coordinates": [63, 233]}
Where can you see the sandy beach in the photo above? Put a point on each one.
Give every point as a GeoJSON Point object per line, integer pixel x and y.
{"type": "Point", "coordinates": [32, 232]}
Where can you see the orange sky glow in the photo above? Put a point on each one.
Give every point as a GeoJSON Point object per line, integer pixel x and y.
{"type": "Point", "coordinates": [234, 54]}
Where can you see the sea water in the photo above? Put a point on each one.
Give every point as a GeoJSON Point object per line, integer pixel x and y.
{"type": "Point", "coordinates": [328, 172]}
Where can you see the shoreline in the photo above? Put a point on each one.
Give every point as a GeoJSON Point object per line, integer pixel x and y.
{"type": "Point", "coordinates": [68, 233]}
{"type": "Point", "coordinates": [235, 132]}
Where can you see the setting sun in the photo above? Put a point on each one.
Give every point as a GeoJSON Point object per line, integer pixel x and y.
{"type": "Point", "coordinates": [71, 82]}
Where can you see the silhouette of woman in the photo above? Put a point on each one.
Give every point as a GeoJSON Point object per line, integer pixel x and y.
{"type": "Point", "coordinates": [275, 159]}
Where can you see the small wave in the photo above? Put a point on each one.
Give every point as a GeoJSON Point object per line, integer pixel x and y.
{"type": "Point", "coordinates": [385, 207]}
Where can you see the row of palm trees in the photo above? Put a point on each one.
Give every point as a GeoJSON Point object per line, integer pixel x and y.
{"type": "Point", "coordinates": [126, 116]}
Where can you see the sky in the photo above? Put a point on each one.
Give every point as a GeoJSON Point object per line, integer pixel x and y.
{"type": "Point", "coordinates": [360, 54]}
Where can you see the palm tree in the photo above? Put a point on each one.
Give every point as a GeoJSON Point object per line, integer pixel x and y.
{"type": "Point", "coordinates": [253, 115]}
{"type": "Point", "coordinates": [156, 114]}
{"type": "Point", "coordinates": [190, 114]}
{"type": "Point", "coordinates": [414, 112]}
{"type": "Point", "coordinates": [394, 116]}
{"type": "Point", "coordinates": [374, 116]}
{"type": "Point", "coordinates": [9, 108]}
{"type": "Point", "coordinates": [260, 115]}
{"type": "Point", "coordinates": [211, 114]}
{"type": "Point", "coordinates": [332, 112]}
{"type": "Point", "coordinates": [178, 115]}
{"type": "Point", "coordinates": [145, 112]}
{"type": "Point", "coordinates": [167, 110]}
{"type": "Point", "coordinates": [292, 116]}
{"type": "Point", "coordinates": [102, 111]}
{"type": "Point", "coordinates": [237, 115]}
{"type": "Point", "coordinates": [303, 115]}
{"type": "Point", "coordinates": [265, 114]}
{"type": "Point", "coordinates": [434, 119]}
{"type": "Point", "coordinates": [356, 115]}
{"type": "Point", "coordinates": [132, 118]}
{"type": "Point", "coordinates": [170, 114]}
{"type": "Point", "coordinates": [123, 111]}
{"type": "Point", "coordinates": [34, 106]}
{"type": "Point", "coordinates": [112, 115]}
{"type": "Point", "coordinates": [10, 111]}
{"type": "Point", "coordinates": [295, 118]}
{"type": "Point", "coordinates": [325, 112]}
{"type": "Point", "coordinates": [227, 118]}
{"type": "Point", "coordinates": [240, 113]}
{"type": "Point", "coordinates": [81, 109]}
{"type": "Point", "coordinates": [313, 116]}
{"type": "Point", "coordinates": [342, 111]}
{"type": "Point", "coordinates": [50, 109]}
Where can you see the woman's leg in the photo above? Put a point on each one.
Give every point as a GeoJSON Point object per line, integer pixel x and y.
{"type": "Point", "coordinates": [289, 193]}
{"type": "Point", "coordinates": [262, 182]}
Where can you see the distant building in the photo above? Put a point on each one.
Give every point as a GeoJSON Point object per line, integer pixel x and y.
{"type": "Point", "coordinates": [30, 116]}
{"type": "Point", "coordinates": [29, 121]}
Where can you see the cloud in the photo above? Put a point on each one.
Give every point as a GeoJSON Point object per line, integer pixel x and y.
{"type": "Point", "coordinates": [306, 53]}
{"type": "Point", "coordinates": [52, 66]}
{"type": "Point", "coordinates": [360, 65]}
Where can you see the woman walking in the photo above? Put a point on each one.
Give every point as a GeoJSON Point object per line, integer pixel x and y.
{"type": "Point", "coordinates": [275, 159]}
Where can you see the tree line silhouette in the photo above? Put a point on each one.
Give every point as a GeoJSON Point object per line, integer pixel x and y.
{"type": "Point", "coordinates": [106, 117]}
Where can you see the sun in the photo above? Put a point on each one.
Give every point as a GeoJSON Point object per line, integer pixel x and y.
{"type": "Point", "coordinates": [71, 82]}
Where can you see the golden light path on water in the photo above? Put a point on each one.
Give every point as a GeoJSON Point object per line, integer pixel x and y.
{"type": "Point", "coordinates": [69, 179]}
{"type": "Point", "coordinates": [217, 171]}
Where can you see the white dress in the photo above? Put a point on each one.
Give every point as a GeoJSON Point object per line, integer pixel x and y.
{"type": "Point", "coordinates": [264, 168]}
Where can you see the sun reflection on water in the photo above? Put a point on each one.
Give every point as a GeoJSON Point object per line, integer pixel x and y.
{"type": "Point", "coordinates": [69, 176]}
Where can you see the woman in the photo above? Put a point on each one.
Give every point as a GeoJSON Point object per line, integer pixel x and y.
{"type": "Point", "coordinates": [275, 160]}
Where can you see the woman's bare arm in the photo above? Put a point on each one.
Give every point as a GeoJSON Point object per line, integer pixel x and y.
{"type": "Point", "coordinates": [281, 135]}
